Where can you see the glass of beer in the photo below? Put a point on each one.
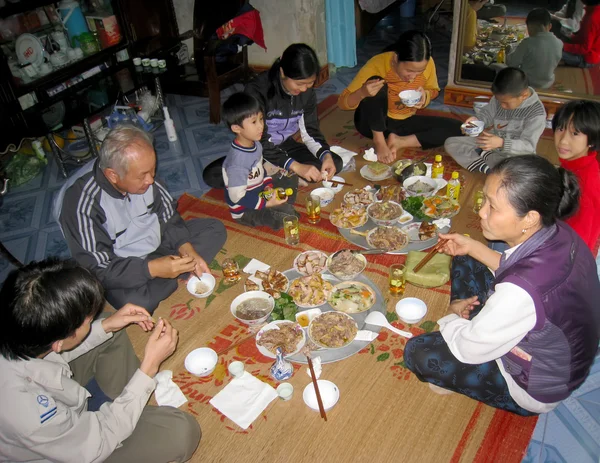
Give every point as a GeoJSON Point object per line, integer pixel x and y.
{"type": "Point", "coordinates": [313, 209]}
{"type": "Point", "coordinates": [397, 279]}
{"type": "Point", "coordinates": [291, 229]}
{"type": "Point", "coordinates": [231, 271]}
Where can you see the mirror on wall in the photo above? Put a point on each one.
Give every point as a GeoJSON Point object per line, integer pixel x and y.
{"type": "Point", "coordinates": [490, 33]}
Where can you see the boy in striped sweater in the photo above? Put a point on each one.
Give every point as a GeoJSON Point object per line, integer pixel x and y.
{"type": "Point", "coordinates": [243, 171]}
{"type": "Point", "coordinates": [514, 119]}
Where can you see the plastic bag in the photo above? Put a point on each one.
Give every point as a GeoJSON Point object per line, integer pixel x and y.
{"type": "Point", "coordinates": [23, 167]}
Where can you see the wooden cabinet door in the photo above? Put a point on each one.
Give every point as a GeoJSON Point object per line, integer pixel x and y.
{"type": "Point", "coordinates": [149, 19]}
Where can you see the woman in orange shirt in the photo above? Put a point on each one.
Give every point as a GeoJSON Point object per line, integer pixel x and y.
{"type": "Point", "coordinates": [380, 114]}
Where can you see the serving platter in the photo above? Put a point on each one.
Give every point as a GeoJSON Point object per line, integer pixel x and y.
{"type": "Point", "coordinates": [361, 241]}
{"type": "Point", "coordinates": [334, 355]}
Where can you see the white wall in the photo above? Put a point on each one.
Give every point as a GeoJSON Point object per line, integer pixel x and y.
{"type": "Point", "coordinates": [284, 22]}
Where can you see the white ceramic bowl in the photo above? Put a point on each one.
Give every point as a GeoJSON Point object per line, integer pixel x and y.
{"type": "Point", "coordinates": [201, 361]}
{"type": "Point", "coordinates": [326, 195]}
{"type": "Point", "coordinates": [207, 279]}
{"type": "Point", "coordinates": [330, 394]}
{"type": "Point", "coordinates": [474, 131]}
{"type": "Point", "coordinates": [249, 295]}
{"type": "Point", "coordinates": [410, 97]}
{"type": "Point", "coordinates": [384, 222]}
{"type": "Point", "coordinates": [428, 180]}
{"type": "Point", "coordinates": [335, 189]}
{"type": "Point", "coordinates": [411, 310]}
{"type": "Point", "coordinates": [357, 255]}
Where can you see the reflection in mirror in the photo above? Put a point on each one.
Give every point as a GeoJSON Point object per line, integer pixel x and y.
{"type": "Point", "coordinates": [539, 37]}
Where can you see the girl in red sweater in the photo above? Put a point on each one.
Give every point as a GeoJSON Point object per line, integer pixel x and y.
{"type": "Point", "coordinates": [584, 48]}
{"type": "Point", "coordinates": [576, 128]}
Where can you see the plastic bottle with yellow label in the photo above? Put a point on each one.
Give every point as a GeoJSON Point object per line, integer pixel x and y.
{"type": "Point", "coordinates": [437, 169]}
{"type": "Point", "coordinates": [453, 190]}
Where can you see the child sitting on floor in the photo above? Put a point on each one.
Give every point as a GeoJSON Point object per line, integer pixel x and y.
{"type": "Point", "coordinates": [515, 119]}
{"type": "Point", "coordinates": [539, 54]}
{"type": "Point", "coordinates": [243, 170]}
{"type": "Point", "coordinates": [576, 128]}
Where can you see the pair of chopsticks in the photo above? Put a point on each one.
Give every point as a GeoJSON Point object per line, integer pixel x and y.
{"type": "Point", "coordinates": [340, 183]}
{"type": "Point", "coordinates": [233, 346]}
{"type": "Point", "coordinates": [316, 386]}
{"type": "Point", "coordinates": [440, 244]}
{"type": "Point", "coordinates": [471, 125]}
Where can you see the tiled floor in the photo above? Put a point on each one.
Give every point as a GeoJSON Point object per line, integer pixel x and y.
{"type": "Point", "coordinates": [569, 434]}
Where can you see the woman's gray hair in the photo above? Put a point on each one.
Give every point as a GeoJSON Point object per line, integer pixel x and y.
{"type": "Point", "coordinates": [113, 152]}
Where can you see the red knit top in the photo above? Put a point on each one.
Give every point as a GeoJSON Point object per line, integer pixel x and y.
{"type": "Point", "coordinates": [586, 222]}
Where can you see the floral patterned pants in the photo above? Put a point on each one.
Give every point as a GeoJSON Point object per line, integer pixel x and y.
{"type": "Point", "coordinates": [430, 359]}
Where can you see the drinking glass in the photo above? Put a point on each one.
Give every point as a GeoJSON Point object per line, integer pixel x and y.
{"type": "Point", "coordinates": [231, 271]}
{"type": "Point", "coordinates": [313, 209]}
{"type": "Point", "coordinates": [291, 229]}
{"type": "Point", "coordinates": [397, 279]}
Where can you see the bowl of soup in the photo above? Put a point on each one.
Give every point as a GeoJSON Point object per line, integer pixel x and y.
{"type": "Point", "coordinates": [253, 307]}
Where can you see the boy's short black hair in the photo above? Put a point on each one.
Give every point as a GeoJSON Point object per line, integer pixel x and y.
{"type": "Point", "coordinates": [539, 17]}
{"type": "Point", "coordinates": [45, 302]}
{"type": "Point", "coordinates": [585, 117]}
{"type": "Point", "coordinates": [510, 81]}
{"type": "Point", "coordinates": [238, 107]}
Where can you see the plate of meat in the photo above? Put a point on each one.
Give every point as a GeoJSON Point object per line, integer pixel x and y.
{"type": "Point", "coordinates": [280, 333]}
{"type": "Point", "coordinates": [271, 282]}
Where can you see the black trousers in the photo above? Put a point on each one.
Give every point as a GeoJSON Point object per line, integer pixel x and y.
{"type": "Point", "coordinates": [431, 131]}
{"type": "Point", "coordinates": [213, 173]}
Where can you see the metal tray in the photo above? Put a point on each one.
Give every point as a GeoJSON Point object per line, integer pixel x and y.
{"type": "Point", "coordinates": [334, 355]}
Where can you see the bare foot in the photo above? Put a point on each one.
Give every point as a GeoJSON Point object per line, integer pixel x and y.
{"type": "Point", "coordinates": [396, 143]}
{"type": "Point", "coordinates": [383, 152]}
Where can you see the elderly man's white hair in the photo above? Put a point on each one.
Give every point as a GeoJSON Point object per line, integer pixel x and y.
{"type": "Point", "coordinates": [113, 152]}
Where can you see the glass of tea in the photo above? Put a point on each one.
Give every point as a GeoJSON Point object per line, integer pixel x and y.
{"type": "Point", "coordinates": [313, 208]}
{"type": "Point", "coordinates": [291, 229]}
{"type": "Point", "coordinates": [231, 271]}
{"type": "Point", "coordinates": [397, 279]}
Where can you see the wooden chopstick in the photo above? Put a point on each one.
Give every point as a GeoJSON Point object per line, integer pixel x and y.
{"type": "Point", "coordinates": [241, 341]}
{"type": "Point", "coordinates": [440, 244]}
{"type": "Point", "coordinates": [340, 183]}
{"type": "Point", "coordinates": [317, 393]}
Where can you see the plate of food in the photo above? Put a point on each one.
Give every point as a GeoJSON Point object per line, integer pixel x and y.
{"type": "Point", "coordinates": [385, 212]}
{"type": "Point", "coordinates": [310, 262]}
{"type": "Point", "coordinates": [423, 186]}
{"type": "Point", "coordinates": [388, 238]}
{"type": "Point", "coordinates": [376, 171]}
{"type": "Point", "coordinates": [280, 333]}
{"type": "Point", "coordinates": [359, 197]}
{"type": "Point", "coordinates": [310, 291]}
{"type": "Point", "coordinates": [346, 264]}
{"type": "Point", "coordinates": [351, 297]}
{"type": "Point", "coordinates": [391, 193]}
{"type": "Point", "coordinates": [439, 207]}
{"type": "Point", "coordinates": [332, 330]}
{"type": "Point", "coordinates": [348, 217]}
{"type": "Point", "coordinates": [420, 231]}
{"type": "Point", "coordinates": [272, 282]}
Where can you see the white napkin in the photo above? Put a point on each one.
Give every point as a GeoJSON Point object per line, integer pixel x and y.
{"type": "Point", "coordinates": [345, 154]}
{"type": "Point", "coordinates": [370, 155]}
{"type": "Point", "coordinates": [255, 265]}
{"type": "Point", "coordinates": [243, 399]}
{"type": "Point", "coordinates": [317, 367]}
{"type": "Point", "coordinates": [167, 392]}
{"type": "Point", "coordinates": [366, 335]}
{"type": "Point", "coordinates": [441, 223]}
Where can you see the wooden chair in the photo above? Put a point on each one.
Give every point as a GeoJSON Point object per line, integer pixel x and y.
{"type": "Point", "coordinates": [209, 77]}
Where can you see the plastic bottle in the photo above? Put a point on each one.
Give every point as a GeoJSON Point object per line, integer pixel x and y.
{"type": "Point", "coordinates": [437, 170]}
{"type": "Point", "coordinates": [501, 59]}
{"type": "Point", "coordinates": [280, 192]}
{"type": "Point", "coordinates": [453, 190]}
{"type": "Point", "coordinates": [169, 125]}
{"type": "Point", "coordinates": [478, 203]}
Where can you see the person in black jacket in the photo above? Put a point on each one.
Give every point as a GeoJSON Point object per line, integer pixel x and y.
{"type": "Point", "coordinates": [289, 105]}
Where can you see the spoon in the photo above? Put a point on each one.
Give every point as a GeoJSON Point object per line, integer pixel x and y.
{"type": "Point", "coordinates": [378, 319]}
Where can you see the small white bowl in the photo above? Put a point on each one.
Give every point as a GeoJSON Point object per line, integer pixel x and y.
{"type": "Point", "coordinates": [410, 97]}
{"type": "Point", "coordinates": [249, 295]}
{"type": "Point", "coordinates": [207, 279]}
{"type": "Point", "coordinates": [411, 310]}
{"type": "Point", "coordinates": [335, 189]}
{"type": "Point", "coordinates": [384, 222]}
{"type": "Point", "coordinates": [474, 131]}
{"type": "Point", "coordinates": [201, 361]}
{"type": "Point", "coordinates": [326, 195]}
{"type": "Point", "coordinates": [428, 180]}
{"type": "Point", "coordinates": [330, 394]}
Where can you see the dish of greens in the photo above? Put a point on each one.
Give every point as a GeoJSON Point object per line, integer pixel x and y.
{"type": "Point", "coordinates": [413, 206]}
{"type": "Point", "coordinates": [285, 308]}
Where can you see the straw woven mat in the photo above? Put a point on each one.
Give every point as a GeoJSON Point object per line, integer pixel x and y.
{"type": "Point", "coordinates": [384, 413]}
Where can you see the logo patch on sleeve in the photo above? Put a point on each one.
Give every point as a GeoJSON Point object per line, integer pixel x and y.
{"type": "Point", "coordinates": [46, 407]}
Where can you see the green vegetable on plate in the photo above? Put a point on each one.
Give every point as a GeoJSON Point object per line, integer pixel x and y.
{"type": "Point", "coordinates": [413, 205]}
{"type": "Point", "coordinates": [285, 308]}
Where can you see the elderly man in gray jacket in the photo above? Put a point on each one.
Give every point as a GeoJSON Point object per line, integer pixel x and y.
{"type": "Point", "coordinates": [122, 223]}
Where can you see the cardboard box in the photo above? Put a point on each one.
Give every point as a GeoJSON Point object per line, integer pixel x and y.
{"type": "Point", "coordinates": [107, 27]}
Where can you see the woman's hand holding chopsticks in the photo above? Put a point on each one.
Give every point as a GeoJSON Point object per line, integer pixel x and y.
{"type": "Point", "coordinates": [455, 244]}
